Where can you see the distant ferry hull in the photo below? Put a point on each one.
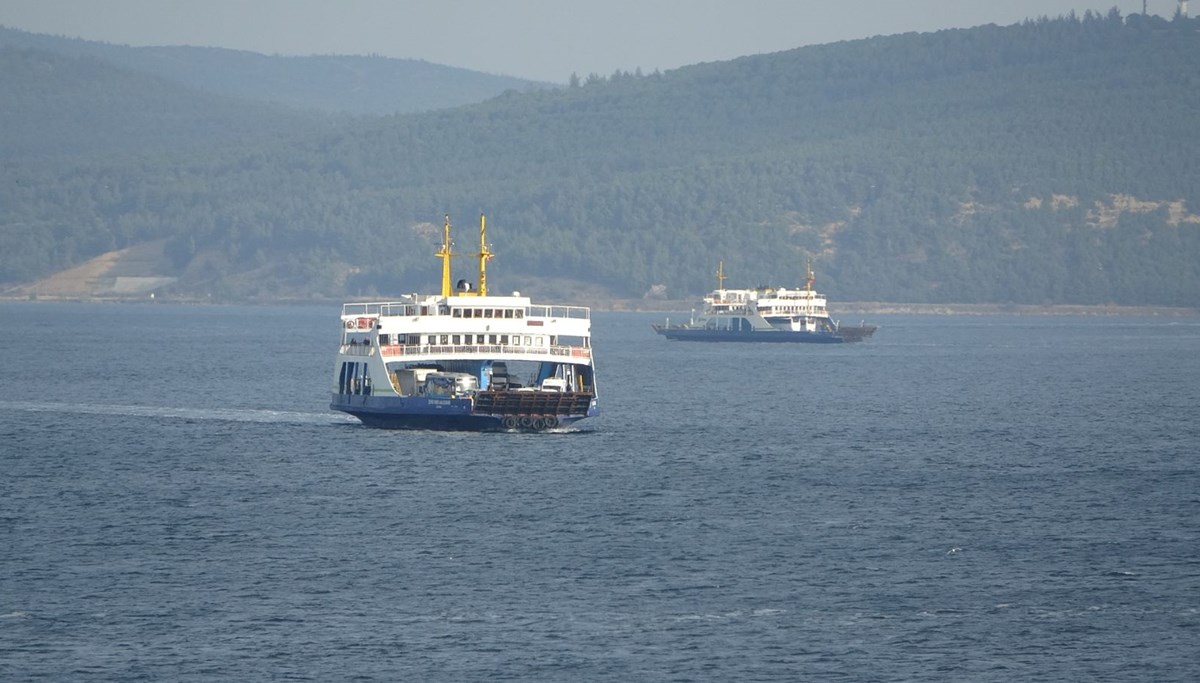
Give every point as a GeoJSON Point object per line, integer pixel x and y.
{"type": "Point", "coordinates": [680, 333]}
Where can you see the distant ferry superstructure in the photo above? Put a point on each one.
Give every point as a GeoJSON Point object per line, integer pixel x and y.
{"type": "Point", "coordinates": [770, 314]}
{"type": "Point", "coordinates": [464, 359]}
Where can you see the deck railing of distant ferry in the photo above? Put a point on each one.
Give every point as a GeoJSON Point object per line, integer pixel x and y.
{"type": "Point", "coordinates": [392, 350]}
{"type": "Point", "coordinates": [403, 310]}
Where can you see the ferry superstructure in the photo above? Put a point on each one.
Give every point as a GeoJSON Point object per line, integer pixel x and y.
{"type": "Point", "coordinates": [465, 359]}
{"type": "Point", "coordinates": [771, 314]}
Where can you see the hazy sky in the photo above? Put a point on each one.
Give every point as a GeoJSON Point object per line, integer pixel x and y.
{"type": "Point", "coordinates": [537, 39]}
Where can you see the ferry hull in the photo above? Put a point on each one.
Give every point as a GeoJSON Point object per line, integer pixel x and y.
{"type": "Point", "coordinates": [701, 334]}
{"type": "Point", "coordinates": [452, 414]}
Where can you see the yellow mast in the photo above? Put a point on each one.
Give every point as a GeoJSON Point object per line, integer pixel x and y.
{"type": "Point", "coordinates": [720, 275]}
{"type": "Point", "coordinates": [485, 255]}
{"type": "Point", "coordinates": [445, 253]}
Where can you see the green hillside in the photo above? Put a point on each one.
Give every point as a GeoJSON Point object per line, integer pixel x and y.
{"type": "Point", "coordinates": [1048, 162]}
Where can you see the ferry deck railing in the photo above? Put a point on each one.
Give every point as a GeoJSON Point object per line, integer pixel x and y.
{"type": "Point", "coordinates": [408, 310]}
{"type": "Point", "coordinates": [487, 350]}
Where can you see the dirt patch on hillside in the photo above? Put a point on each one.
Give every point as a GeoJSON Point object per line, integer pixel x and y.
{"type": "Point", "coordinates": [135, 271]}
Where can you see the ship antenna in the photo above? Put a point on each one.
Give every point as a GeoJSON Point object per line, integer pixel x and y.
{"type": "Point", "coordinates": [720, 275]}
{"type": "Point", "coordinates": [485, 255]}
{"type": "Point", "coordinates": [811, 278]}
{"type": "Point", "coordinates": [445, 253]}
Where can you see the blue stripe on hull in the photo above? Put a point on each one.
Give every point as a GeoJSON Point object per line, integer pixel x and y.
{"type": "Point", "coordinates": [443, 414]}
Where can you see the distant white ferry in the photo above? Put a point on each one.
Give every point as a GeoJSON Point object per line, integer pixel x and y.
{"type": "Point", "coordinates": [770, 314]}
{"type": "Point", "coordinates": [465, 359]}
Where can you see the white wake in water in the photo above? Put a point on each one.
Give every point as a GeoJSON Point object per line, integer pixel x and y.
{"type": "Point", "coordinates": [226, 414]}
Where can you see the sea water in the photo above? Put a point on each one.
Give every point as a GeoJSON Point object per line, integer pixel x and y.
{"type": "Point", "coordinates": [973, 498]}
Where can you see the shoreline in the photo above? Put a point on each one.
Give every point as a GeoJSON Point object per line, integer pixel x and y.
{"type": "Point", "coordinates": [665, 306]}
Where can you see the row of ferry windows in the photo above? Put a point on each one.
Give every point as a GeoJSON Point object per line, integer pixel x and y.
{"type": "Point", "coordinates": [459, 339]}
{"type": "Point", "coordinates": [488, 312]}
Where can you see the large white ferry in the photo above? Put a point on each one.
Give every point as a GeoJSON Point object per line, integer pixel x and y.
{"type": "Point", "coordinates": [465, 359]}
{"type": "Point", "coordinates": [772, 314]}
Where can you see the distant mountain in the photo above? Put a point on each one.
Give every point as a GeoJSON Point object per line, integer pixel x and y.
{"type": "Point", "coordinates": [338, 84]}
{"type": "Point", "coordinates": [1046, 162]}
{"type": "Point", "coordinates": [53, 104]}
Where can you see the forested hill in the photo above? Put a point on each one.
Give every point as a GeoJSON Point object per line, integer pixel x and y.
{"type": "Point", "coordinates": [330, 83]}
{"type": "Point", "coordinates": [1047, 162]}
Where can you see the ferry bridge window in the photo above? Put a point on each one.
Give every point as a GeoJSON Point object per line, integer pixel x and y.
{"type": "Point", "coordinates": [527, 341]}
{"type": "Point", "coordinates": [384, 339]}
{"type": "Point", "coordinates": [457, 313]}
{"type": "Point", "coordinates": [508, 313]}
{"type": "Point", "coordinates": [504, 340]}
{"type": "Point", "coordinates": [456, 339]}
{"type": "Point", "coordinates": [487, 312]}
{"type": "Point", "coordinates": [491, 339]}
{"type": "Point", "coordinates": [445, 339]}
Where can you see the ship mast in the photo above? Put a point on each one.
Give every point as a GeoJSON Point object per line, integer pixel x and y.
{"type": "Point", "coordinates": [485, 255]}
{"type": "Point", "coordinates": [720, 275]}
{"type": "Point", "coordinates": [808, 283]}
{"type": "Point", "coordinates": [445, 253]}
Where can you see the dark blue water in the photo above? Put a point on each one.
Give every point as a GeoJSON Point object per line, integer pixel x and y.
{"type": "Point", "coordinates": [959, 498]}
